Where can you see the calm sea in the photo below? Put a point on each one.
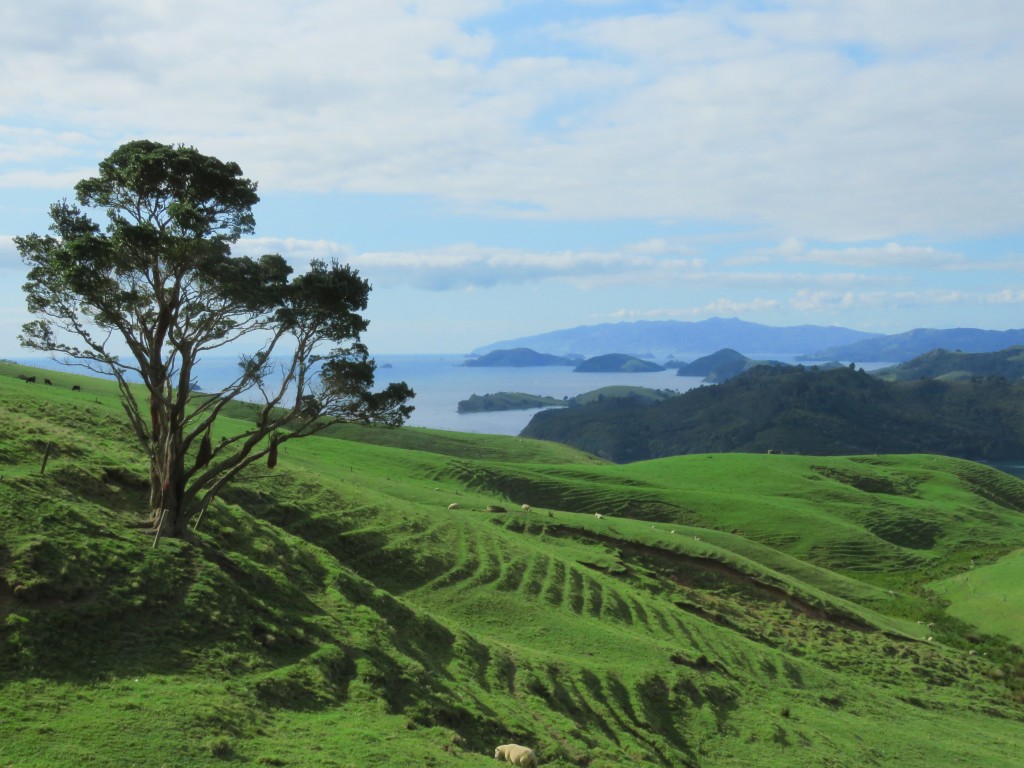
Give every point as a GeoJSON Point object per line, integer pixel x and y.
{"type": "Point", "coordinates": [441, 381]}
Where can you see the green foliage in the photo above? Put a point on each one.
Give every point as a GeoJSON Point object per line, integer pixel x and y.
{"type": "Point", "coordinates": [724, 610]}
{"type": "Point", "coordinates": [633, 394]}
{"type": "Point", "coordinates": [160, 281]}
{"type": "Point", "coordinates": [808, 411]}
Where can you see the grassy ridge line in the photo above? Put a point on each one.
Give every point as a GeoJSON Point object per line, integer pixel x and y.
{"type": "Point", "coordinates": [337, 607]}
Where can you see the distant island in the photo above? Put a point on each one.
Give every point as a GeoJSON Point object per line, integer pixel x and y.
{"type": "Point", "coordinates": [520, 357]}
{"type": "Point", "coordinates": [513, 401]}
{"type": "Point", "coordinates": [617, 363]}
{"type": "Point", "coordinates": [721, 366]}
{"type": "Point", "coordinates": [507, 401]}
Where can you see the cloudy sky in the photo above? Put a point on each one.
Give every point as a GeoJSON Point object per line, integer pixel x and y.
{"type": "Point", "coordinates": [499, 168]}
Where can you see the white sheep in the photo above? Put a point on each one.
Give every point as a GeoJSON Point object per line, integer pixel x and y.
{"type": "Point", "coordinates": [453, 505]}
{"type": "Point", "coordinates": [527, 508]}
{"type": "Point", "coordinates": [519, 756]}
{"type": "Point", "coordinates": [599, 516]}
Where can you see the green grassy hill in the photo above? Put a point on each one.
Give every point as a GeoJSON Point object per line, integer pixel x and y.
{"type": "Point", "coordinates": [723, 610]}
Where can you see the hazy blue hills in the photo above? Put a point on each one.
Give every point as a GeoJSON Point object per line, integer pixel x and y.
{"type": "Point", "coordinates": [901, 347]}
{"type": "Point", "coordinates": [673, 338]}
{"type": "Point", "coordinates": [519, 357]}
{"type": "Point", "coordinates": [946, 365]}
{"type": "Point", "coordinates": [809, 411]}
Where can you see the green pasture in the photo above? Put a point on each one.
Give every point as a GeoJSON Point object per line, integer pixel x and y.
{"type": "Point", "coordinates": [989, 596]}
{"type": "Point", "coordinates": [723, 610]}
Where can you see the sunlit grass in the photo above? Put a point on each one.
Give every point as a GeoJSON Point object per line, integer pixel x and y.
{"type": "Point", "coordinates": [724, 610]}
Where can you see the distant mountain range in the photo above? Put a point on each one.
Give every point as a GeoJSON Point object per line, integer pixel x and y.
{"type": "Point", "coordinates": [666, 339]}
{"type": "Point", "coordinates": [906, 346]}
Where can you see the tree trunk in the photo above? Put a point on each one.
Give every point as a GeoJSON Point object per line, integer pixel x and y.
{"type": "Point", "coordinates": [168, 512]}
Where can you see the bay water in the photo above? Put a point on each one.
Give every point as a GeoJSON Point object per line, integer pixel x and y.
{"type": "Point", "coordinates": [440, 381]}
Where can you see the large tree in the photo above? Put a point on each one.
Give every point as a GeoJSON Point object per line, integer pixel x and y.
{"type": "Point", "coordinates": [146, 295]}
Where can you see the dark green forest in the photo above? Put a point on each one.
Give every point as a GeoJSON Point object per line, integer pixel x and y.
{"type": "Point", "coordinates": [803, 410]}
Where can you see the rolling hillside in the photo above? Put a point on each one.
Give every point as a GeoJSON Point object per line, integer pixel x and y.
{"type": "Point", "coordinates": [709, 610]}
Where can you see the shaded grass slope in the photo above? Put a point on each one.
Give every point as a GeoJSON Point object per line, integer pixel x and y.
{"type": "Point", "coordinates": [723, 610]}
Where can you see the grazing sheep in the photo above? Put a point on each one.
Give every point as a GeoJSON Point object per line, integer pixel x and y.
{"type": "Point", "coordinates": [453, 505]}
{"type": "Point", "coordinates": [527, 508]}
{"type": "Point", "coordinates": [75, 388]}
{"type": "Point", "coordinates": [599, 516]}
{"type": "Point", "coordinates": [519, 756]}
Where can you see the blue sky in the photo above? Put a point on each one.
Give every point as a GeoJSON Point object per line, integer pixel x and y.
{"type": "Point", "coordinates": [501, 168]}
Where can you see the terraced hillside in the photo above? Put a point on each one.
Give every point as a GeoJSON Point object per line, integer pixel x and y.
{"type": "Point", "coordinates": [709, 610]}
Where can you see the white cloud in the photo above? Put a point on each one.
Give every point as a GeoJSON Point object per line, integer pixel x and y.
{"type": "Point", "coordinates": [888, 255]}
{"type": "Point", "coordinates": [719, 307]}
{"type": "Point", "coordinates": [10, 259]}
{"type": "Point", "coordinates": [821, 301]}
{"type": "Point", "coordinates": [467, 266]}
{"type": "Point", "coordinates": [843, 120]}
{"type": "Point", "coordinates": [297, 251]}
{"type": "Point", "coordinates": [1007, 296]}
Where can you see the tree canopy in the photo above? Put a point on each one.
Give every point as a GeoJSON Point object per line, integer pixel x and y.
{"type": "Point", "coordinates": [143, 297]}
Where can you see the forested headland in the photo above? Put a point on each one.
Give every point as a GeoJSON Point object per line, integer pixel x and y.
{"type": "Point", "coordinates": [803, 410]}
